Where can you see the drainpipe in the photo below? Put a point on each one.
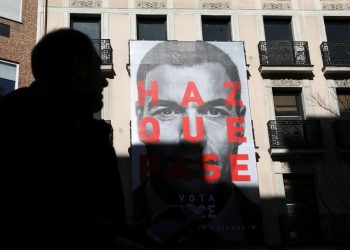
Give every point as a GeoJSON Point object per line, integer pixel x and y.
{"type": "Point", "coordinates": [45, 16]}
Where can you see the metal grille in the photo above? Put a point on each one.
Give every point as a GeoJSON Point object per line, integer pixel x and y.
{"type": "Point", "coordinates": [335, 53]}
{"type": "Point", "coordinates": [295, 134]}
{"type": "Point", "coordinates": [284, 53]}
{"type": "Point", "coordinates": [342, 133]}
{"type": "Point", "coordinates": [104, 49]}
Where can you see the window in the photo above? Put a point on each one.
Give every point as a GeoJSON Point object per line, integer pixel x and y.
{"type": "Point", "coordinates": [288, 105]}
{"type": "Point", "coordinates": [151, 28]}
{"type": "Point", "coordinates": [216, 28]}
{"type": "Point", "coordinates": [299, 189]}
{"type": "Point", "coordinates": [8, 77]}
{"type": "Point", "coordinates": [344, 102]}
{"type": "Point", "coordinates": [337, 30]}
{"type": "Point", "coordinates": [278, 29]}
{"type": "Point", "coordinates": [89, 25]}
{"type": "Point", "coordinates": [11, 9]}
{"type": "Point", "coordinates": [302, 221]}
{"type": "Point", "coordinates": [4, 30]}
{"type": "Point", "coordinates": [280, 48]}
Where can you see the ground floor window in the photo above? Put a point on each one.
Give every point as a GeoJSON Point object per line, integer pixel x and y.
{"type": "Point", "coordinates": [8, 77]}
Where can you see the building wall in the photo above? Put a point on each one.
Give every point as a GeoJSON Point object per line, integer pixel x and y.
{"type": "Point", "coordinates": [17, 48]}
{"type": "Point", "coordinates": [119, 24]}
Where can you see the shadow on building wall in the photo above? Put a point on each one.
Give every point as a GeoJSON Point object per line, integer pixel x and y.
{"type": "Point", "coordinates": [311, 160]}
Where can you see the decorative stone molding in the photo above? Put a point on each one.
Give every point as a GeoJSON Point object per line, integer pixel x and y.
{"type": "Point", "coordinates": [277, 5]}
{"type": "Point", "coordinates": [151, 4]}
{"type": "Point", "coordinates": [342, 83]}
{"type": "Point", "coordinates": [215, 4]}
{"type": "Point", "coordinates": [86, 3]}
{"type": "Point", "coordinates": [335, 5]}
{"type": "Point", "coordinates": [286, 83]}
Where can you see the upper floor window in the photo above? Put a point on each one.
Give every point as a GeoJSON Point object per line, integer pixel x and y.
{"type": "Point", "coordinates": [216, 28]}
{"type": "Point", "coordinates": [288, 105]}
{"type": "Point", "coordinates": [89, 25]}
{"type": "Point", "coordinates": [344, 102]}
{"type": "Point", "coordinates": [151, 28]}
{"type": "Point", "coordinates": [337, 30]}
{"type": "Point", "coordinates": [278, 29]}
{"type": "Point", "coordinates": [300, 193]}
{"type": "Point", "coordinates": [8, 77]}
{"type": "Point", "coordinates": [11, 9]}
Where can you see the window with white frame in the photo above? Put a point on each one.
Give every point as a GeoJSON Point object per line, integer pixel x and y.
{"type": "Point", "coordinates": [8, 77]}
{"type": "Point", "coordinates": [11, 9]}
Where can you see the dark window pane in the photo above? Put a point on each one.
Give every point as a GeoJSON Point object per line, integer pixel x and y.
{"type": "Point", "coordinates": [338, 30]}
{"type": "Point", "coordinates": [287, 105]}
{"type": "Point", "coordinates": [151, 28]}
{"type": "Point", "coordinates": [216, 29]}
{"type": "Point", "coordinates": [277, 29]}
{"type": "Point", "coordinates": [6, 86]}
{"type": "Point", "coordinates": [88, 25]}
{"type": "Point", "coordinates": [299, 189]}
{"type": "Point", "coordinates": [344, 102]}
{"type": "Point", "coordinates": [4, 30]}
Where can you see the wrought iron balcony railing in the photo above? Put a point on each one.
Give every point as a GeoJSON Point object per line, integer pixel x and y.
{"type": "Point", "coordinates": [104, 49]}
{"type": "Point", "coordinates": [342, 133]}
{"type": "Point", "coordinates": [284, 53]}
{"type": "Point", "coordinates": [295, 134]}
{"type": "Point", "coordinates": [317, 229]}
{"type": "Point", "coordinates": [336, 53]}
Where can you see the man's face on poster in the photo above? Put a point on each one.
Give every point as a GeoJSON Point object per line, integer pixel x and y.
{"type": "Point", "coordinates": [208, 79]}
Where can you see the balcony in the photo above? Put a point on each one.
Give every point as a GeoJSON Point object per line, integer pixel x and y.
{"type": "Point", "coordinates": [342, 134]}
{"type": "Point", "coordinates": [336, 58]}
{"type": "Point", "coordinates": [281, 57]}
{"type": "Point", "coordinates": [314, 229]}
{"type": "Point", "coordinates": [295, 136]}
{"type": "Point", "coordinates": [104, 49]}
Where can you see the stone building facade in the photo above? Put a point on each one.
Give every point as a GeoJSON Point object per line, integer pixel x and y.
{"type": "Point", "coordinates": [302, 147]}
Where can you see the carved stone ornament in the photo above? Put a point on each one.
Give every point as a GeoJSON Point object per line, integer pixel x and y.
{"type": "Point", "coordinates": [342, 83]}
{"type": "Point", "coordinates": [151, 4]}
{"type": "Point", "coordinates": [336, 6]}
{"type": "Point", "coordinates": [286, 83]}
{"type": "Point", "coordinates": [277, 5]}
{"type": "Point", "coordinates": [215, 4]}
{"type": "Point", "coordinates": [86, 3]}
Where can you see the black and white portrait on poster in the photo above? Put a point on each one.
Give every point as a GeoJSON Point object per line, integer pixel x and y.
{"type": "Point", "coordinates": [192, 142]}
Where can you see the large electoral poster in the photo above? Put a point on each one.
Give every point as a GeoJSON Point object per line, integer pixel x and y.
{"type": "Point", "coordinates": [193, 155]}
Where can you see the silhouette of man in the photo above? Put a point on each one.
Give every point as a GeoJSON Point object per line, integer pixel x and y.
{"type": "Point", "coordinates": [61, 181]}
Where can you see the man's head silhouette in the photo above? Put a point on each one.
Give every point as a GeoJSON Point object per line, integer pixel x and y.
{"type": "Point", "coordinates": [66, 60]}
